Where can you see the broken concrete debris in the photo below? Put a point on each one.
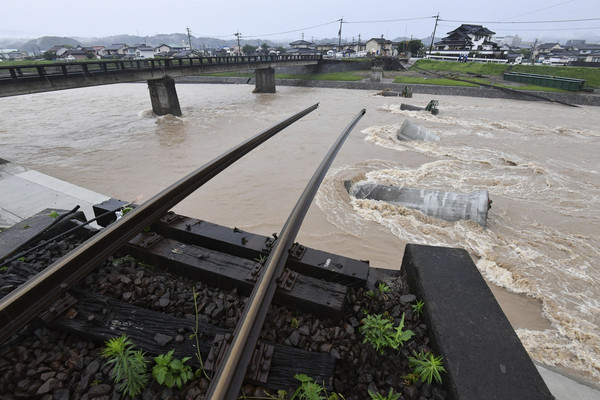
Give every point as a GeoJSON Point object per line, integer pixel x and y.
{"type": "Point", "coordinates": [411, 131]}
{"type": "Point", "coordinates": [449, 206]}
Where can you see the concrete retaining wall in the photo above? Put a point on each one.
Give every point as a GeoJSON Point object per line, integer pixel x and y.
{"type": "Point", "coordinates": [571, 98]}
{"type": "Point", "coordinates": [483, 356]}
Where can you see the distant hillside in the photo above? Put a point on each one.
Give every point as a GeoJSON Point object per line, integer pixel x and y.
{"type": "Point", "coordinates": [46, 42]}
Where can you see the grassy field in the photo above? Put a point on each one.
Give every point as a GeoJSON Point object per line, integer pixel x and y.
{"type": "Point", "coordinates": [590, 75]}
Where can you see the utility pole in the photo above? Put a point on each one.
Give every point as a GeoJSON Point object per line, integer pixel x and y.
{"type": "Point", "coordinates": [238, 40]}
{"type": "Point", "coordinates": [437, 17]}
{"type": "Point", "coordinates": [340, 33]}
{"type": "Point", "coordinates": [189, 38]}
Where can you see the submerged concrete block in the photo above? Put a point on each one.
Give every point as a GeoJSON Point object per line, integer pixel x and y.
{"type": "Point", "coordinates": [164, 97]}
{"type": "Point", "coordinates": [265, 80]}
{"type": "Point", "coordinates": [483, 356]}
{"type": "Point", "coordinates": [448, 206]}
{"type": "Point", "coordinates": [411, 131]}
{"type": "Point", "coordinates": [376, 74]}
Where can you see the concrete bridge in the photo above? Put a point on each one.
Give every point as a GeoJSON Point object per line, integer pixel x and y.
{"type": "Point", "coordinates": [27, 79]}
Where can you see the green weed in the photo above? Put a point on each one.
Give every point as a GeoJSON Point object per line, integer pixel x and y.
{"type": "Point", "coordinates": [129, 365]}
{"type": "Point", "coordinates": [380, 332]}
{"type": "Point", "coordinates": [390, 396]}
{"type": "Point", "coordinates": [427, 367]}
{"type": "Point", "coordinates": [170, 372]}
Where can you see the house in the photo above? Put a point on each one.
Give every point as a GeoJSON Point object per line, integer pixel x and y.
{"type": "Point", "coordinates": [114, 50]}
{"type": "Point", "coordinates": [144, 51]}
{"type": "Point", "coordinates": [302, 47]}
{"type": "Point", "coordinates": [588, 49]}
{"type": "Point", "coordinates": [546, 48]}
{"type": "Point", "coordinates": [161, 50]}
{"type": "Point", "coordinates": [558, 57]}
{"type": "Point", "coordinates": [472, 41]}
{"type": "Point", "coordinates": [73, 55]}
{"type": "Point", "coordinates": [325, 47]}
{"type": "Point", "coordinates": [594, 57]}
{"type": "Point", "coordinates": [379, 46]}
{"type": "Point", "coordinates": [15, 55]}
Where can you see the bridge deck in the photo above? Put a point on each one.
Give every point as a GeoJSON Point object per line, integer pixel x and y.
{"type": "Point", "coordinates": [33, 78]}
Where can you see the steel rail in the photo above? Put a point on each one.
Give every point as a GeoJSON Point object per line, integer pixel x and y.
{"type": "Point", "coordinates": [28, 300]}
{"type": "Point", "coordinates": [230, 374]}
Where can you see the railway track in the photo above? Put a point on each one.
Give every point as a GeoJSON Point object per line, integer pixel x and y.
{"type": "Point", "coordinates": [318, 294]}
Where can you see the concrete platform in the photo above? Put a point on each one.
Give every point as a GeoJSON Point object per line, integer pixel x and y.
{"type": "Point", "coordinates": [24, 192]}
{"type": "Point", "coordinates": [483, 356]}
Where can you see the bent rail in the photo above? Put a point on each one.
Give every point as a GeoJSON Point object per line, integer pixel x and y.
{"type": "Point", "coordinates": [24, 303]}
{"type": "Point", "coordinates": [228, 380]}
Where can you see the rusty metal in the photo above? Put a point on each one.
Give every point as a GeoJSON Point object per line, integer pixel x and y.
{"type": "Point", "coordinates": [260, 363]}
{"type": "Point", "coordinates": [230, 375]}
{"type": "Point", "coordinates": [150, 240]}
{"type": "Point", "coordinates": [287, 279]}
{"type": "Point", "coordinates": [24, 303]}
{"type": "Point", "coordinates": [58, 307]}
{"type": "Point", "coordinates": [297, 251]}
{"type": "Point", "coordinates": [170, 217]}
{"type": "Point", "coordinates": [269, 242]}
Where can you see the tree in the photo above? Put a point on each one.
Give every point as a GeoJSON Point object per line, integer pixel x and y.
{"type": "Point", "coordinates": [248, 49]}
{"type": "Point", "coordinates": [281, 49]}
{"type": "Point", "coordinates": [265, 46]}
{"type": "Point", "coordinates": [526, 53]}
{"type": "Point", "coordinates": [49, 55]}
{"type": "Point", "coordinates": [415, 46]}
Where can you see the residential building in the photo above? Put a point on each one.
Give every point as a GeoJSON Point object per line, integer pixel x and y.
{"type": "Point", "coordinates": [472, 41]}
{"type": "Point", "coordinates": [162, 50]}
{"type": "Point", "coordinates": [144, 51]}
{"type": "Point", "coordinates": [379, 46]}
{"type": "Point", "coordinates": [114, 50]}
{"type": "Point", "coordinates": [302, 47]}
{"type": "Point", "coordinates": [73, 55]}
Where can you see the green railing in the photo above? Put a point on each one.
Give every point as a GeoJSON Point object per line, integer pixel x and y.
{"type": "Point", "coordinates": [545, 80]}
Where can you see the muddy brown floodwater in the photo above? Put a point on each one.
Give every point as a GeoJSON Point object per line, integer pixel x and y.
{"type": "Point", "coordinates": [539, 161]}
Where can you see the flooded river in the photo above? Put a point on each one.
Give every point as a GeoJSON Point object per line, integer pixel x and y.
{"type": "Point", "coordinates": [540, 162]}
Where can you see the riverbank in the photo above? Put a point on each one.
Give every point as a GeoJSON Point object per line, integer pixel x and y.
{"type": "Point", "coordinates": [388, 84]}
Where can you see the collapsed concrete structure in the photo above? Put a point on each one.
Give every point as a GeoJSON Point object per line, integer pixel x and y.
{"type": "Point", "coordinates": [411, 131]}
{"type": "Point", "coordinates": [448, 206]}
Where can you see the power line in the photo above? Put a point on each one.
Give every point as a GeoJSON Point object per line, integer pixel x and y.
{"type": "Point", "coordinates": [542, 9]}
{"type": "Point", "coordinates": [386, 20]}
{"type": "Point", "coordinates": [292, 31]}
{"type": "Point", "coordinates": [522, 22]}
{"type": "Point", "coordinates": [552, 29]}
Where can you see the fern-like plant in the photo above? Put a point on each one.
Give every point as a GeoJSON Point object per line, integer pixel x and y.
{"type": "Point", "coordinates": [309, 390]}
{"type": "Point", "coordinates": [129, 365]}
{"type": "Point", "coordinates": [418, 308]}
{"type": "Point", "coordinates": [379, 331]}
{"type": "Point", "coordinates": [427, 366]}
{"type": "Point", "coordinates": [390, 396]}
{"type": "Point", "coordinates": [170, 372]}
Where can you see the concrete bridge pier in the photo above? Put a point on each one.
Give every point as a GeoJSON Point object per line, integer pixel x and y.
{"type": "Point", "coordinates": [164, 96]}
{"type": "Point", "coordinates": [265, 80]}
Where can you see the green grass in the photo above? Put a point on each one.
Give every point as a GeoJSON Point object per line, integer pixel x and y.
{"type": "Point", "coordinates": [590, 75]}
{"type": "Point", "coordinates": [463, 68]}
{"type": "Point", "coordinates": [432, 81]}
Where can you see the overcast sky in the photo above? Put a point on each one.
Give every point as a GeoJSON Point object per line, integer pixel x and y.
{"type": "Point", "coordinates": [281, 20]}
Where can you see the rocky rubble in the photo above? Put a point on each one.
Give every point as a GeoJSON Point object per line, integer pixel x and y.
{"type": "Point", "coordinates": [45, 364]}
